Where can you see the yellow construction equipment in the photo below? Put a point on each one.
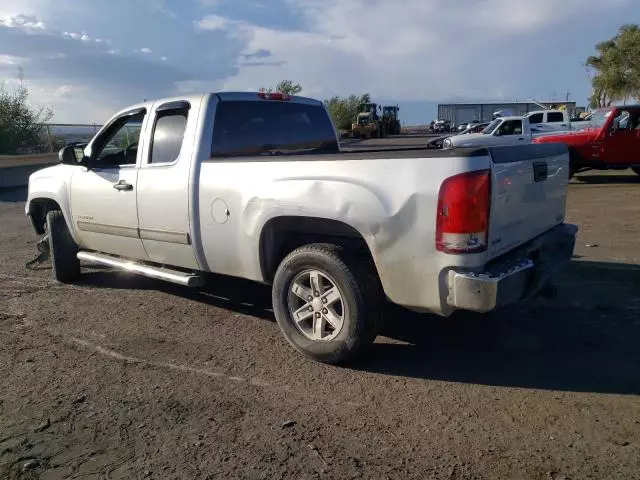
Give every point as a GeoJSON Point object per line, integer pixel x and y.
{"type": "Point", "coordinates": [368, 123]}
{"type": "Point", "coordinates": [390, 121]}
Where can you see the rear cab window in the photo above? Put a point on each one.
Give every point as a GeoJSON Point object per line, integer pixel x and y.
{"type": "Point", "coordinates": [555, 117]}
{"type": "Point", "coordinates": [245, 128]}
{"type": "Point", "coordinates": [168, 133]}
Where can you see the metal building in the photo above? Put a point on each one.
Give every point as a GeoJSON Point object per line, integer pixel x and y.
{"type": "Point", "coordinates": [458, 113]}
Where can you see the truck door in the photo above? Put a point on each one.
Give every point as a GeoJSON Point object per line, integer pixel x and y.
{"type": "Point", "coordinates": [163, 185]}
{"type": "Point", "coordinates": [536, 120]}
{"type": "Point", "coordinates": [103, 197]}
{"type": "Point", "coordinates": [556, 121]}
{"type": "Point", "coordinates": [621, 146]}
{"type": "Point", "coordinates": [509, 133]}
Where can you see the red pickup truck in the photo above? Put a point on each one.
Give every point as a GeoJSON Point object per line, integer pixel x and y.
{"type": "Point", "coordinates": [610, 141]}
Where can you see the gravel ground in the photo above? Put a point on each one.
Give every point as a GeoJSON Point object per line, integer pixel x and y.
{"type": "Point", "coordinates": [120, 377]}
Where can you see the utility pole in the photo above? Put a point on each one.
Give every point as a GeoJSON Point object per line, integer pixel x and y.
{"type": "Point", "coordinates": [567, 98]}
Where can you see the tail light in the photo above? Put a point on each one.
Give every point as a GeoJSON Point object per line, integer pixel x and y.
{"type": "Point", "coordinates": [462, 220]}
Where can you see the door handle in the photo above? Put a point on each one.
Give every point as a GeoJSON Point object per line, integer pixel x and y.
{"type": "Point", "coordinates": [540, 171]}
{"type": "Point", "coordinates": [122, 185]}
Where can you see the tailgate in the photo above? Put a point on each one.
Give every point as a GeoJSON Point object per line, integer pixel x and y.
{"type": "Point", "coordinates": [529, 191]}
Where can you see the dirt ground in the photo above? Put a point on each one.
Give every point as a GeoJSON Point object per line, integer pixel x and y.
{"type": "Point", "coordinates": [125, 377]}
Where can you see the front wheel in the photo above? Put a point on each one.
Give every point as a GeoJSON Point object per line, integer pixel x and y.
{"type": "Point", "coordinates": [327, 302]}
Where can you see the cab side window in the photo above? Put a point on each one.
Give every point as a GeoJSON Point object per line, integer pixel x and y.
{"type": "Point", "coordinates": [168, 136]}
{"type": "Point", "coordinates": [555, 117]}
{"type": "Point", "coordinates": [536, 118]}
{"type": "Point", "coordinates": [622, 120]}
{"type": "Point", "coordinates": [119, 144]}
{"type": "Point", "coordinates": [511, 127]}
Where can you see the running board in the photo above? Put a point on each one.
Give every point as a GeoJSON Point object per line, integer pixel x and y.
{"type": "Point", "coordinates": [160, 273]}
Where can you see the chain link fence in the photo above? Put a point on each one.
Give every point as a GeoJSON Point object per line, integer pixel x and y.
{"type": "Point", "coordinates": [54, 136]}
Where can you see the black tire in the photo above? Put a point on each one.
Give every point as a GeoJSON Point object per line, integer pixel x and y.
{"type": "Point", "coordinates": [636, 170]}
{"type": "Point", "coordinates": [574, 159]}
{"type": "Point", "coordinates": [63, 250]}
{"type": "Point", "coordinates": [361, 301]}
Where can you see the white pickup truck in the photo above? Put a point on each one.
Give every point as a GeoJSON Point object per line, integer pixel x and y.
{"type": "Point", "coordinates": [256, 186]}
{"type": "Point", "coordinates": [502, 131]}
{"type": "Point", "coordinates": [544, 121]}
{"type": "Point", "coordinates": [515, 130]}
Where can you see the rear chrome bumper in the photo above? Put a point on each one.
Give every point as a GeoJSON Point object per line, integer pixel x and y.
{"type": "Point", "coordinates": [517, 275]}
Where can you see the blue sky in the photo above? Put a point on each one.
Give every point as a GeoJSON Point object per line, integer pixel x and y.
{"type": "Point", "coordinates": [89, 58]}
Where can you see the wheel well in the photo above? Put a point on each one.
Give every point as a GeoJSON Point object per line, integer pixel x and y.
{"type": "Point", "coordinates": [38, 209]}
{"type": "Point", "coordinates": [280, 236]}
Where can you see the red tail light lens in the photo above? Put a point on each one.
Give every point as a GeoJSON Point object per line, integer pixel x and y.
{"type": "Point", "coordinates": [462, 220]}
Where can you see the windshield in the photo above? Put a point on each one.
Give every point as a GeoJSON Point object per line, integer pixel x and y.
{"type": "Point", "coordinates": [600, 117]}
{"type": "Point", "coordinates": [492, 126]}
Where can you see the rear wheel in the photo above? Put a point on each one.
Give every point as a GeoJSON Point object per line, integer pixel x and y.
{"type": "Point", "coordinates": [65, 266]}
{"type": "Point", "coordinates": [327, 302]}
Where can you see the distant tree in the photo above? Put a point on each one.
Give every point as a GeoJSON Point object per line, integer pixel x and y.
{"type": "Point", "coordinates": [21, 125]}
{"type": "Point", "coordinates": [343, 110]}
{"type": "Point", "coordinates": [288, 87]}
{"type": "Point", "coordinates": [615, 68]}
{"type": "Point", "coordinates": [284, 86]}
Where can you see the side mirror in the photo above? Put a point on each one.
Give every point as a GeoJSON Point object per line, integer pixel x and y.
{"type": "Point", "coordinates": [72, 155]}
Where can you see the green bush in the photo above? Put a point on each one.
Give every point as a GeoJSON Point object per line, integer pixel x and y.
{"type": "Point", "coordinates": [21, 125]}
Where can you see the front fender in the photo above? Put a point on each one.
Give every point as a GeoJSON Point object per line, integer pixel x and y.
{"type": "Point", "coordinates": [52, 184]}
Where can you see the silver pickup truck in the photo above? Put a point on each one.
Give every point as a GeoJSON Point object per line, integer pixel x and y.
{"type": "Point", "coordinates": [255, 185]}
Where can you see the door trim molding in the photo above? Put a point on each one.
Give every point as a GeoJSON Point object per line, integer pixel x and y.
{"type": "Point", "coordinates": [167, 236]}
{"type": "Point", "coordinates": [117, 230]}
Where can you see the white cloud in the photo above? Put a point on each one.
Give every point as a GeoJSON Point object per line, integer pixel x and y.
{"type": "Point", "coordinates": [213, 22]}
{"type": "Point", "coordinates": [24, 21]}
{"type": "Point", "coordinates": [63, 90]}
{"type": "Point", "coordinates": [185, 87]}
{"type": "Point", "coordinates": [77, 36]}
{"type": "Point", "coordinates": [8, 60]}
{"type": "Point", "coordinates": [413, 49]}
{"type": "Point", "coordinates": [401, 50]}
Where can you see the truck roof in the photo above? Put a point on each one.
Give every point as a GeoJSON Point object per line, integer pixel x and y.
{"type": "Point", "coordinates": [512, 117]}
{"type": "Point", "coordinates": [544, 111]}
{"type": "Point", "coordinates": [223, 96]}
